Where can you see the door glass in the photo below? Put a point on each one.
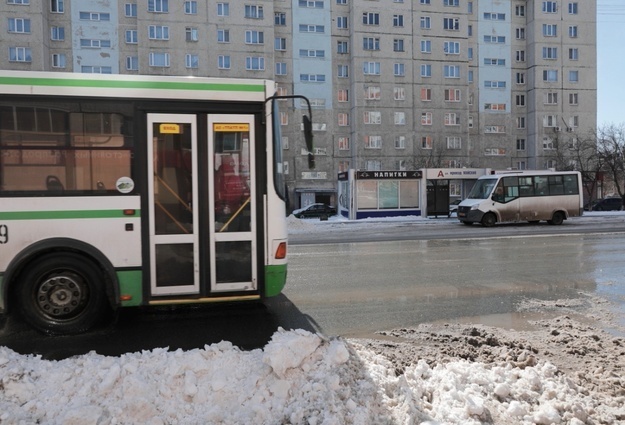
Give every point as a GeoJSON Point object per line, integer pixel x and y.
{"type": "Point", "coordinates": [173, 212]}
{"type": "Point", "coordinates": [232, 178]}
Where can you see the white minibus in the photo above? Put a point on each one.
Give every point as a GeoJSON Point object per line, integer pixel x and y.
{"type": "Point", "coordinates": [523, 196]}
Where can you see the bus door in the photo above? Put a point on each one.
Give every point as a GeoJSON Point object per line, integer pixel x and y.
{"type": "Point", "coordinates": [506, 199]}
{"type": "Point", "coordinates": [201, 205]}
{"type": "Point", "coordinates": [232, 206]}
{"type": "Point", "coordinates": [173, 204]}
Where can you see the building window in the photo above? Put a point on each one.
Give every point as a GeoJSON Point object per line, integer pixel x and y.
{"type": "Point", "coordinates": [399, 70]}
{"type": "Point", "coordinates": [342, 47]}
{"type": "Point", "coordinates": [520, 144]}
{"type": "Point", "coordinates": [573, 31]}
{"type": "Point", "coordinates": [550, 53]}
{"type": "Point", "coordinates": [254, 37]}
{"type": "Point", "coordinates": [494, 39]}
{"type": "Point", "coordinates": [573, 54]}
{"type": "Point", "coordinates": [280, 68]}
{"type": "Point", "coordinates": [400, 118]}
{"type": "Point", "coordinates": [373, 165]}
{"type": "Point", "coordinates": [94, 16]}
{"type": "Point", "coordinates": [130, 10]}
{"type": "Point", "coordinates": [520, 100]}
{"type": "Point", "coordinates": [398, 20]}
{"type": "Point", "coordinates": [223, 62]}
{"type": "Point", "coordinates": [279, 19]}
{"type": "Point", "coordinates": [494, 62]}
{"type": "Point", "coordinates": [158, 6]}
{"type": "Point", "coordinates": [370, 43]}
{"type": "Point", "coordinates": [311, 28]}
{"type": "Point", "coordinates": [573, 99]}
{"type": "Point", "coordinates": [426, 46]}
{"type": "Point", "coordinates": [426, 94]}
{"type": "Point", "coordinates": [343, 143]}
{"type": "Point", "coordinates": [451, 47]}
{"type": "Point", "coordinates": [371, 68]}
{"type": "Point", "coordinates": [519, 10]}
{"type": "Point", "coordinates": [520, 33]}
{"type": "Point", "coordinates": [400, 142]}
{"type": "Point", "coordinates": [573, 8]}
{"type": "Point", "coordinates": [550, 121]}
{"type": "Point", "coordinates": [425, 22]}
{"type": "Point", "coordinates": [341, 22]}
{"type": "Point", "coordinates": [373, 142]}
{"type": "Point", "coordinates": [453, 3]}
{"type": "Point", "coordinates": [158, 59]}
{"type": "Point", "coordinates": [58, 60]}
{"type": "Point", "coordinates": [426, 70]}
{"type": "Point", "coordinates": [253, 11]}
{"type": "Point", "coordinates": [89, 43]}
{"type": "Point", "coordinates": [451, 118]}
{"type": "Point", "coordinates": [452, 95]}
{"type": "Point", "coordinates": [96, 69]}
{"type": "Point", "coordinates": [191, 61]}
{"type": "Point", "coordinates": [19, 25]}
{"type": "Point", "coordinates": [312, 78]}
{"type": "Point", "coordinates": [191, 34]}
{"type": "Point", "coordinates": [190, 7]}
{"type": "Point", "coordinates": [372, 117]}
{"type": "Point", "coordinates": [57, 6]}
{"type": "Point", "coordinates": [520, 78]}
{"type": "Point", "coordinates": [550, 75]}
{"type": "Point", "coordinates": [370, 18]}
{"type": "Point", "coordinates": [426, 118]}
{"type": "Point", "coordinates": [551, 98]}
{"type": "Point", "coordinates": [454, 142]}
{"type": "Point", "coordinates": [372, 93]}
{"type": "Point", "coordinates": [426, 142]}
{"type": "Point", "coordinates": [520, 55]}
{"type": "Point", "coordinates": [223, 36]}
{"type": "Point", "coordinates": [399, 93]}
{"type": "Point", "coordinates": [22, 2]}
{"type": "Point", "coordinates": [343, 95]}
{"type": "Point", "coordinates": [255, 63]}
{"type": "Point", "coordinates": [520, 123]}
{"type": "Point", "coordinates": [398, 45]}
{"type": "Point", "coordinates": [343, 71]}
{"type": "Point", "coordinates": [132, 36]}
{"type": "Point", "coordinates": [574, 76]}
{"type": "Point", "coordinates": [550, 30]}
{"type": "Point", "coordinates": [57, 33]}
{"type": "Point", "coordinates": [451, 24]}
{"type": "Point", "coordinates": [550, 7]}
{"type": "Point", "coordinates": [223, 9]}
{"type": "Point", "coordinates": [132, 63]}
{"type": "Point", "coordinates": [451, 71]}
{"type": "Point", "coordinates": [342, 119]}
{"type": "Point", "coordinates": [279, 43]}
{"type": "Point", "coordinates": [158, 32]}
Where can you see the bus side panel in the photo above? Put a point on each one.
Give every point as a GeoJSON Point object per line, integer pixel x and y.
{"type": "Point", "coordinates": [98, 221]}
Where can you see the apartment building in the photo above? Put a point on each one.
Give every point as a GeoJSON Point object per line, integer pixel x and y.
{"type": "Point", "coordinates": [394, 84]}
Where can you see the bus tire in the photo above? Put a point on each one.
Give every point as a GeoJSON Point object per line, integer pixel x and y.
{"type": "Point", "coordinates": [62, 294]}
{"type": "Point", "coordinates": [557, 219]}
{"type": "Point", "coordinates": [489, 220]}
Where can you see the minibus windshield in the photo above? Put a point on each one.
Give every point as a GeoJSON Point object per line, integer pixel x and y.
{"type": "Point", "coordinates": [482, 189]}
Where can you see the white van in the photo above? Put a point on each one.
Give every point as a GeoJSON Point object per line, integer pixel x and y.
{"type": "Point", "coordinates": [523, 196]}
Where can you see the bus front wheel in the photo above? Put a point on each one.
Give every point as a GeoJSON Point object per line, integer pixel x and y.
{"type": "Point", "coordinates": [62, 294]}
{"type": "Point", "coordinates": [489, 220]}
{"type": "Point", "coordinates": [557, 219]}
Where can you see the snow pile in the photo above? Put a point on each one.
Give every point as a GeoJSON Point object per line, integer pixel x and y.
{"type": "Point", "coordinates": [298, 378]}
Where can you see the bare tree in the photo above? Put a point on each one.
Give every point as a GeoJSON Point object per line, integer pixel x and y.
{"type": "Point", "coordinates": [611, 152]}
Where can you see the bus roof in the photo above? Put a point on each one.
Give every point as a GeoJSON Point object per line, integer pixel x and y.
{"type": "Point", "coordinates": [133, 86]}
{"type": "Point", "coordinates": [506, 173]}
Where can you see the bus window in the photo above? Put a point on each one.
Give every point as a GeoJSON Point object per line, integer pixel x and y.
{"type": "Point", "coordinates": [556, 185]}
{"type": "Point", "coordinates": [511, 188]}
{"type": "Point", "coordinates": [482, 189]}
{"type": "Point", "coordinates": [540, 186]}
{"type": "Point", "coordinates": [526, 186]}
{"type": "Point", "coordinates": [570, 185]}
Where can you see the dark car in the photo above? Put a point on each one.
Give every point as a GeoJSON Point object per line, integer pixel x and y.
{"type": "Point", "coordinates": [315, 210]}
{"type": "Point", "coordinates": [608, 204]}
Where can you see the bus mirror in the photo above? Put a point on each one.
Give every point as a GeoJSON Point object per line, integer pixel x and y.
{"type": "Point", "coordinates": [308, 136]}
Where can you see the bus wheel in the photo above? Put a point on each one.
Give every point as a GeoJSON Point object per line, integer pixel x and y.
{"type": "Point", "coordinates": [62, 294]}
{"type": "Point", "coordinates": [557, 219]}
{"type": "Point", "coordinates": [489, 220]}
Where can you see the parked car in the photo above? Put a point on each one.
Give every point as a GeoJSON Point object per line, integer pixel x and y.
{"type": "Point", "coordinates": [608, 204]}
{"type": "Point", "coordinates": [315, 210]}
{"type": "Point", "coordinates": [453, 207]}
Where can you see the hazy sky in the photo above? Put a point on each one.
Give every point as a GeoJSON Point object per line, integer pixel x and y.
{"type": "Point", "coordinates": [610, 62]}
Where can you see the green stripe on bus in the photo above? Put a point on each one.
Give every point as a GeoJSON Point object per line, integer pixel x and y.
{"type": "Point", "coordinates": [54, 215]}
{"type": "Point", "coordinates": [129, 84]}
{"type": "Point", "coordinates": [275, 280]}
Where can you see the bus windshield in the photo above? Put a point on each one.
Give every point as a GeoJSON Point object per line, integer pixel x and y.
{"type": "Point", "coordinates": [482, 189]}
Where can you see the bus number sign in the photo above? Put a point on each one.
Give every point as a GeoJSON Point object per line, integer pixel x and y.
{"type": "Point", "coordinates": [4, 233]}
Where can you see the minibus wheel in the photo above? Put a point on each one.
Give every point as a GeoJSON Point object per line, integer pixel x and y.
{"type": "Point", "coordinates": [557, 219]}
{"type": "Point", "coordinates": [489, 220]}
{"type": "Point", "coordinates": [62, 293]}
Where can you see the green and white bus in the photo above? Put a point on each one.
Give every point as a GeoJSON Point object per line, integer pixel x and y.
{"type": "Point", "coordinates": [120, 191]}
